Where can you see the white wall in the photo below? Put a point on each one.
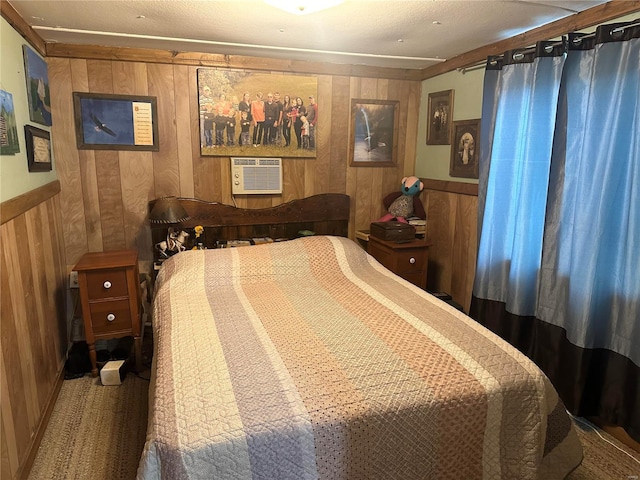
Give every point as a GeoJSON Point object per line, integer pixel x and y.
{"type": "Point", "coordinates": [15, 178]}
{"type": "Point", "coordinates": [432, 161]}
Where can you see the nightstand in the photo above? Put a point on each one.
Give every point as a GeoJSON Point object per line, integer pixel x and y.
{"type": "Point", "coordinates": [110, 298]}
{"type": "Point", "coordinates": [408, 260]}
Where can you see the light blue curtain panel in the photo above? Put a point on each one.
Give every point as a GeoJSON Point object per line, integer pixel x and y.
{"type": "Point", "coordinates": [517, 178]}
{"type": "Point", "coordinates": [590, 283]}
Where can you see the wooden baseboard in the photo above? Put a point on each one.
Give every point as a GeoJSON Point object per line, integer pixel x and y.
{"type": "Point", "coordinates": [616, 432]}
{"type": "Point", "coordinates": [25, 469]}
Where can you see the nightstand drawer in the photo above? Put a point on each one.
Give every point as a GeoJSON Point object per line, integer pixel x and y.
{"type": "Point", "coordinates": [406, 259]}
{"type": "Point", "coordinates": [107, 284]}
{"type": "Point", "coordinates": [110, 316]}
{"type": "Point", "coordinates": [410, 261]}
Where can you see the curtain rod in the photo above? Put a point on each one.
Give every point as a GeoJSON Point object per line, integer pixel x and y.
{"type": "Point", "coordinates": [483, 63]}
{"type": "Point", "coordinates": [531, 48]}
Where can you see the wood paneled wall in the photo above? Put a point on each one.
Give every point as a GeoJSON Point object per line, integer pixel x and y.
{"type": "Point", "coordinates": [452, 226]}
{"type": "Point", "coordinates": [33, 340]}
{"type": "Point", "coordinates": [105, 193]}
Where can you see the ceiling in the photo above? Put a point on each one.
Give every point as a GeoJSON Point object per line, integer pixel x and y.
{"type": "Point", "coordinates": [411, 34]}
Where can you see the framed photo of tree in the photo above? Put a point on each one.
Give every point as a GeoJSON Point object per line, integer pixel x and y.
{"type": "Point", "coordinates": [439, 117]}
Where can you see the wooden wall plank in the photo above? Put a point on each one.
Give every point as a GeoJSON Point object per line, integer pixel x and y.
{"type": "Point", "coordinates": [319, 180]}
{"type": "Point", "coordinates": [87, 161]}
{"type": "Point", "coordinates": [165, 165]}
{"type": "Point", "coordinates": [464, 250]}
{"type": "Point", "coordinates": [67, 158]}
{"type": "Point", "coordinates": [44, 261]}
{"type": "Point", "coordinates": [110, 198]}
{"type": "Point", "coordinates": [339, 137]}
{"type": "Point", "coordinates": [438, 217]}
{"type": "Point", "coordinates": [181, 77]}
{"type": "Point", "coordinates": [30, 344]}
{"type": "Point", "coordinates": [32, 261]}
{"type": "Point", "coordinates": [16, 347]}
{"type": "Point", "coordinates": [57, 276]}
{"type": "Point", "coordinates": [90, 196]}
{"type": "Point", "coordinates": [13, 405]}
{"type": "Point", "coordinates": [293, 182]}
{"type": "Point", "coordinates": [9, 460]}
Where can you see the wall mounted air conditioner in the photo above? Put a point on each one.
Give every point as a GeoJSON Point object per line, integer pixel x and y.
{"type": "Point", "coordinates": [256, 175]}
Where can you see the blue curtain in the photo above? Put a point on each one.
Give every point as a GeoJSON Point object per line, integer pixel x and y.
{"type": "Point", "coordinates": [590, 282]}
{"type": "Point", "coordinates": [558, 271]}
{"type": "Point", "coordinates": [515, 190]}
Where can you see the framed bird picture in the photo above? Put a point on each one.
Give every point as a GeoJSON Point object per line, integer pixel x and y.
{"type": "Point", "coordinates": [115, 122]}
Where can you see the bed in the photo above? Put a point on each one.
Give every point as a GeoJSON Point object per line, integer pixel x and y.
{"type": "Point", "coordinates": [308, 359]}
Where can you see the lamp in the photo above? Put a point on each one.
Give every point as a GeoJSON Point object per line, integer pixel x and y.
{"type": "Point", "coordinates": [168, 210]}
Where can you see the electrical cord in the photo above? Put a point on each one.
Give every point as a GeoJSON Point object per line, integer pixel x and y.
{"type": "Point", "coordinates": [592, 427]}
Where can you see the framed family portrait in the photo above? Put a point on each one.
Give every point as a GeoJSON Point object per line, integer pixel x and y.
{"type": "Point", "coordinates": [465, 149]}
{"type": "Point", "coordinates": [244, 114]}
{"type": "Point", "coordinates": [38, 149]}
{"type": "Point", "coordinates": [439, 116]}
{"type": "Point", "coordinates": [373, 138]}
{"type": "Point", "coordinates": [115, 122]}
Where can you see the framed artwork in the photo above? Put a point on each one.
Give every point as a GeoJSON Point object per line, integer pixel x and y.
{"type": "Point", "coordinates": [115, 122]}
{"type": "Point", "coordinates": [373, 136]}
{"type": "Point", "coordinates": [38, 149]}
{"type": "Point", "coordinates": [439, 116]}
{"type": "Point", "coordinates": [9, 142]}
{"type": "Point", "coordinates": [37, 87]}
{"type": "Point", "coordinates": [465, 149]}
{"type": "Point", "coordinates": [248, 114]}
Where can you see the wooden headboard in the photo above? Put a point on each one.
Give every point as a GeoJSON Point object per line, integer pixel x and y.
{"type": "Point", "coordinates": [324, 214]}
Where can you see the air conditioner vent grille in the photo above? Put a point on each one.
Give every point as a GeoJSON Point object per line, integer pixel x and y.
{"type": "Point", "coordinates": [256, 176]}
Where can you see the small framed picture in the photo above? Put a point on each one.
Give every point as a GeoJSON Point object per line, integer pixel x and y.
{"type": "Point", "coordinates": [38, 149]}
{"type": "Point", "coordinates": [374, 126]}
{"type": "Point", "coordinates": [465, 149]}
{"type": "Point", "coordinates": [9, 143]}
{"type": "Point", "coordinates": [116, 122]}
{"type": "Point", "coordinates": [37, 87]}
{"type": "Point", "coordinates": [439, 117]}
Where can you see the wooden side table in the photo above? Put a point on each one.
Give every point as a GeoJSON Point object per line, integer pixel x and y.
{"type": "Point", "coordinates": [110, 298]}
{"type": "Point", "coordinates": [408, 260]}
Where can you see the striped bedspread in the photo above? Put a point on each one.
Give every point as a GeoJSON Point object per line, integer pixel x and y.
{"type": "Point", "coordinates": [307, 359]}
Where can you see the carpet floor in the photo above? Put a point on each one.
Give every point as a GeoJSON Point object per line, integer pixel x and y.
{"type": "Point", "coordinates": [98, 433]}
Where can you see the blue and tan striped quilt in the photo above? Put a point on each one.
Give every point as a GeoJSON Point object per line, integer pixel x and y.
{"type": "Point", "coordinates": [309, 360]}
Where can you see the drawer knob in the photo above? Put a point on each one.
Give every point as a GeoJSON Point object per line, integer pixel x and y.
{"type": "Point", "coordinates": [412, 260]}
{"type": "Point", "coordinates": [111, 317]}
{"type": "Point", "coordinates": [107, 284]}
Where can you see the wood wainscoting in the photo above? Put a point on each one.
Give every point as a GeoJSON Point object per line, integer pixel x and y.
{"type": "Point", "coordinates": [32, 305]}
{"type": "Point", "coordinates": [452, 226]}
